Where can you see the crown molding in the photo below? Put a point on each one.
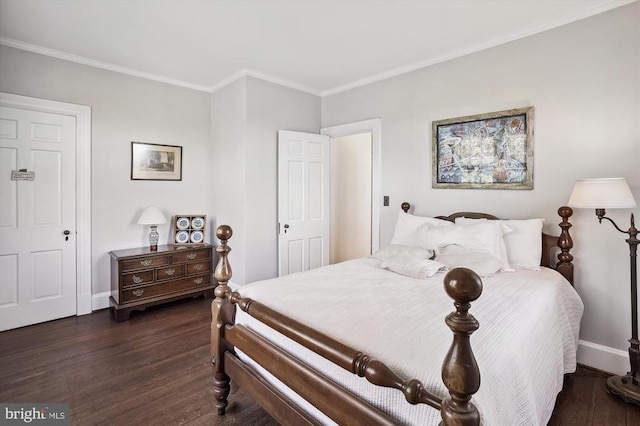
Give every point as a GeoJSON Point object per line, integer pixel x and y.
{"type": "Point", "coordinates": [246, 72]}
{"type": "Point", "coordinates": [549, 25]}
{"type": "Point", "coordinates": [98, 64]}
{"type": "Point", "coordinates": [594, 10]}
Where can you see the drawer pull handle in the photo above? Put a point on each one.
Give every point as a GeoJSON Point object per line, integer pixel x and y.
{"type": "Point", "coordinates": [198, 280]}
{"type": "Point", "coordinates": [199, 266]}
{"type": "Point", "coordinates": [137, 279]}
{"type": "Point", "coordinates": [145, 262]}
{"type": "Point", "coordinates": [191, 256]}
{"type": "Point", "coordinates": [138, 293]}
{"type": "Point", "coordinates": [170, 271]}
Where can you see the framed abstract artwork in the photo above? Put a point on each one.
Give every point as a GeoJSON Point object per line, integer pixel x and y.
{"type": "Point", "coordinates": [485, 151]}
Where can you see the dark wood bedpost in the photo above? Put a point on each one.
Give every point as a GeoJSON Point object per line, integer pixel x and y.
{"type": "Point", "coordinates": [221, 315]}
{"type": "Point", "coordinates": [565, 259]}
{"type": "Point", "coordinates": [460, 372]}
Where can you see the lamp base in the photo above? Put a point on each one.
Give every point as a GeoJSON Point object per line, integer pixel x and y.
{"type": "Point", "coordinates": [623, 387]}
{"type": "Point", "coordinates": [153, 247]}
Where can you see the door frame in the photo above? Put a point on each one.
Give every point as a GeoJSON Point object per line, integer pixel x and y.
{"type": "Point", "coordinates": [373, 126]}
{"type": "Point", "coordinates": [82, 113]}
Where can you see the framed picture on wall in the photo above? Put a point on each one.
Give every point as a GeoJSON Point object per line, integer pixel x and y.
{"type": "Point", "coordinates": [155, 162]}
{"type": "Point", "coordinates": [486, 151]}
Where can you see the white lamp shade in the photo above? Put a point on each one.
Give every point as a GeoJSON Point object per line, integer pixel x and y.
{"type": "Point", "coordinates": [152, 216]}
{"type": "Point", "coordinates": [607, 193]}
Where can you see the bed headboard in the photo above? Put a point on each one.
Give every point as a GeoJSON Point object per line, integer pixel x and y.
{"type": "Point", "coordinates": [550, 243]}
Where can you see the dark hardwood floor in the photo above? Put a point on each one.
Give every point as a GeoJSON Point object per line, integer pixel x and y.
{"type": "Point", "coordinates": [154, 370]}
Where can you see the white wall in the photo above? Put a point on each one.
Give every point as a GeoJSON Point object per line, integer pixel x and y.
{"type": "Point", "coordinates": [124, 109]}
{"type": "Point", "coordinates": [584, 81]}
{"type": "Point", "coordinates": [246, 117]}
{"type": "Point", "coordinates": [228, 184]}
{"type": "Point", "coordinates": [270, 107]}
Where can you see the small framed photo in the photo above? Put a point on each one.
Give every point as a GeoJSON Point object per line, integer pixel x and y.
{"type": "Point", "coordinates": [485, 151]}
{"type": "Point", "coordinates": [155, 162]}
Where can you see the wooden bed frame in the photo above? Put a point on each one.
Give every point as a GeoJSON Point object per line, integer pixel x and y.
{"type": "Point", "coordinates": [460, 372]}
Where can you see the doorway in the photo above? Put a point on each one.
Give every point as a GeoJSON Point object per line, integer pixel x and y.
{"type": "Point", "coordinates": [350, 203]}
{"type": "Point", "coordinates": [355, 188]}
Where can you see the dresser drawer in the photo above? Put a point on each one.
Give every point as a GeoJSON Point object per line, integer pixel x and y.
{"type": "Point", "coordinates": [137, 278]}
{"type": "Point", "coordinates": [198, 267]}
{"type": "Point", "coordinates": [145, 263]}
{"type": "Point", "coordinates": [192, 255]}
{"type": "Point", "coordinates": [165, 288]}
{"type": "Point", "coordinates": [175, 271]}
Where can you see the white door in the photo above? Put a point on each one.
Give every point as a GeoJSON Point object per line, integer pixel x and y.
{"type": "Point", "coordinates": [37, 254]}
{"type": "Point", "coordinates": [303, 201]}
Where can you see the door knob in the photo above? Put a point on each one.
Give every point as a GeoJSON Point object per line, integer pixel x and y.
{"type": "Point", "coordinates": [66, 234]}
{"type": "Point", "coordinates": [286, 226]}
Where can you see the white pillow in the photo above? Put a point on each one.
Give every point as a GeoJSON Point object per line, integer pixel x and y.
{"type": "Point", "coordinates": [407, 224]}
{"type": "Point", "coordinates": [482, 236]}
{"type": "Point", "coordinates": [394, 250]}
{"type": "Point", "coordinates": [482, 263]}
{"type": "Point", "coordinates": [523, 243]}
{"type": "Point", "coordinates": [412, 267]}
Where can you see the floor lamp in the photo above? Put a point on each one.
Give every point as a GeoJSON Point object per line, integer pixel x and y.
{"type": "Point", "coordinates": [614, 193]}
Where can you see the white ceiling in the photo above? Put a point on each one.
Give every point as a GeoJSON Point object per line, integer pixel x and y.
{"type": "Point", "coordinates": [319, 46]}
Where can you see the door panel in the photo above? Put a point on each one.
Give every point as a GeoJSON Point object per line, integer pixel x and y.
{"type": "Point", "coordinates": [38, 279]}
{"type": "Point", "coordinates": [303, 201]}
{"type": "Point", "coordinates": [47, 192]}
{"type": "Point", "coordinates": [9, 268]}
{"type": "Point", "coordinates": [8, 189]}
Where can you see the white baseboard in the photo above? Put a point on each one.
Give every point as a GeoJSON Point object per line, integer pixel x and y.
{"type": "Point", "coordinates": [603, 357]}
{"type": "Point", "coordinates": [100, 301]}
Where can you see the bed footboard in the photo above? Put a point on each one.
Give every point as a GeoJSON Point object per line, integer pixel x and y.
{"type": "Point", "coordinates": [460, 372]}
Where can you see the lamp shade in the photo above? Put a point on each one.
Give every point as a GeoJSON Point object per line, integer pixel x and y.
{"type": "Point", "coordinates": [606, 193]}
{"type": "Point", "coordinates": [152, 216]}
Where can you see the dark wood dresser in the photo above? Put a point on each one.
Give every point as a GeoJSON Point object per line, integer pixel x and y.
{"type": "Point", "coordinates": [141, 277]}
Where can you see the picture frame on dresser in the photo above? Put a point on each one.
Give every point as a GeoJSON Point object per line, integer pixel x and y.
{"type": "Point", "coordinates": [150, 161]}
{"type": "Point", "coordinates": [189, 229]}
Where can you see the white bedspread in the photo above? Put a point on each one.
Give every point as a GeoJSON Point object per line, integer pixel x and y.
{"type": "Point", "coordinates": [527, 340]}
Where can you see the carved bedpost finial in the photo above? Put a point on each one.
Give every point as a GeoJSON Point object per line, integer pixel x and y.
{"type": "Point", "coordinates": [405, 207]}
{"type": "Point", "coordinates": [460, 372]}
{"type": "Point", "coordinates": [223, 269]}
{"type": "Point", "coordinates": [221, 314]}
{"type": "Point", "coordinates": [565, 259]}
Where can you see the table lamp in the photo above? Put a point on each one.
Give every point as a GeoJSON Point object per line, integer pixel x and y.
{"type": "Point", "coordinates": [614, 193]}
{"type": "Point", "coordinates": [152, 216]}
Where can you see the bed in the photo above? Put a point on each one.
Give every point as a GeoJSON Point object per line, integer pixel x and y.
{"type": "Point", "coordinates": [365, 342]}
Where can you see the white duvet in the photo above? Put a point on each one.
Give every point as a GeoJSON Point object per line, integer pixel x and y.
{"type": "Point", "coordinates": [527, 340]}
